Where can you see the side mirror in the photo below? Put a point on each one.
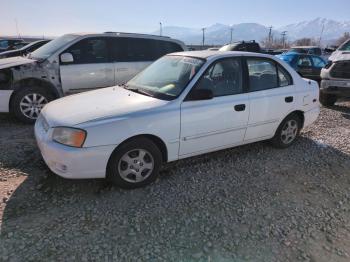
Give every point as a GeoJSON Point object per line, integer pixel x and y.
{"type": "Point", "coordinates": [200, 94]}
{"type": "Point", "coordinates": [67, 58]}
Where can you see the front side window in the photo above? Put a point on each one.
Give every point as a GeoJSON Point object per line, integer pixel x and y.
{"type": "Point", "coordinates": [167, 77]}
{"type": "Point", "coordinates": [89, 51]}
{"type": "Point", "coordinates": [318, 62]}
{"type": "Point", "coordinates": [262, 74]}
{"type": "Point", "coordinates": [223, 78]}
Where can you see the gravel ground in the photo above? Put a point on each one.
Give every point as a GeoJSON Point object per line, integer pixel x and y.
{"type": "Point", "coordinates": [251, 203]}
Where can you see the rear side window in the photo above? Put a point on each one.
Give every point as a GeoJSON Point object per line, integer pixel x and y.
{"type": "Point", "coordinates": [284, 78]}
{"type": "Point", "coordinates": [223, 78]}
{"type": "Point", "coordinates": [262, 74]}
{"type": "Point", "coordinates": [89, 51]}
{"type": "Point", "coordinates": [318, 62]}
{"type": "Point", "coordinates": [127, 49]}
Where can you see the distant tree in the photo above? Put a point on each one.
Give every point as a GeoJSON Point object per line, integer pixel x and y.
{"type": "Point", "coordinates": [343, 38]}
{"type": "Point", "coordinates": [305, 42]}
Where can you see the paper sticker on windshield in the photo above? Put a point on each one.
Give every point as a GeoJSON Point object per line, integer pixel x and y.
{"type": "Point", "coordinates": [191, 61]}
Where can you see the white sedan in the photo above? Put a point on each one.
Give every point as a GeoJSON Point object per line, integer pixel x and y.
{"type": "Point", "coordinates": [184, 104]}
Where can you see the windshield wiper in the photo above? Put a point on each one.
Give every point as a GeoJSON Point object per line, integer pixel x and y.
{"type": "Point", "coordinates": [137, 90]}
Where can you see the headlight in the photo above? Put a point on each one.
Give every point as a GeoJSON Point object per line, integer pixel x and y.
{"type": "Point", "coordinates": [69, 136]}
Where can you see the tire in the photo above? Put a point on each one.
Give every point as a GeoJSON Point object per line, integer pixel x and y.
{"type": "Point", "coordinates": [139, 171]}
{"type": "Point", "coordinates": [327, 100]}
{"type": "Point", "coordinates": [28, 102]}
{"type": "Point", "coordinates": [287, 132]}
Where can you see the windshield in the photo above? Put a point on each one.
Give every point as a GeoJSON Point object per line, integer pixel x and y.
{"type": "Point", "coordinates": [167, 77]}
{"type": "Point", "coordinates": [50, 48]}
{"type": "Point", "coordinates": [345, 47]}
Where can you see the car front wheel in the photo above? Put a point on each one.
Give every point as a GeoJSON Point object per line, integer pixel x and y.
{"type": "Point", "coordinates": [134, 164]}
{"type": "Point", "coordinates": [28, 103]}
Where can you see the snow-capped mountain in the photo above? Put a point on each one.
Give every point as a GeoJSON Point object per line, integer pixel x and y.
{"type": "Point", "coordinates": [312, 29]}
{"type": "Point", "coordinates": [220, 33]}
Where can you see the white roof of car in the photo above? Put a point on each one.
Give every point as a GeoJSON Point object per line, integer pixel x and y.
{"type": "Point", "coordinates": [218, 54]}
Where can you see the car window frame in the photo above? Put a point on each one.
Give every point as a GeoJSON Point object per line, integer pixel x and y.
{"type": "Point", "coordinates": [244, 82]}
{"type": "Point", "coordinates": [277, 64]}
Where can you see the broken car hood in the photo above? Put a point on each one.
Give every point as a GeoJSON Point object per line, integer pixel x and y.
{"type": "Point", "coordinates": [15, 61]}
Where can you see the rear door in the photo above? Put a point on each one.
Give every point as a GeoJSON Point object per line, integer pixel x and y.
{"type": "Point", "coordinates": [91, 67]}
{"type": "Point", "coordinates": [208, 125]}
{"type": "Point", "coordinates": [271, 95]}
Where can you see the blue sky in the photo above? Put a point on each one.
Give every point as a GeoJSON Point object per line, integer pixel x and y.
{"type": "Point", "coordinates": [53, 18]}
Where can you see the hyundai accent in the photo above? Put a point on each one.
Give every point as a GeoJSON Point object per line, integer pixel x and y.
{"type": "Point", "coordinates": [182, 105]}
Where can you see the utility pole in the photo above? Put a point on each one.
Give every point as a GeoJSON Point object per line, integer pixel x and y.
{"type": "Point", "coordinates": [231, 31]}
{"type": "Point", "coordinates": [270, 36]}
{"type": "Point", "coordinates": [160, 28]}
{"type": "Point", "coordinates": [319, 41]}
{"type": "Point", "coordinates": [203, 40]}
{"type": "Point", "coordinates": [284, 33]}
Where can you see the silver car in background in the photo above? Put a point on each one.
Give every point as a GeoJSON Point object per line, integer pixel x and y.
{"type": "Point", "coordinates": [75, 63]}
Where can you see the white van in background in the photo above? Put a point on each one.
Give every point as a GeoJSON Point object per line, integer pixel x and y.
{"type": "Point", "coordinates": [75, 63]}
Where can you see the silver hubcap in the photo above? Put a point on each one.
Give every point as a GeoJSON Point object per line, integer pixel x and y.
{"type": "Point", "coordinates": [32, 104]}
{"type": "Point", "coordinates": [289, 131]}
{"type": "Point", "coordinates": [136, 165]}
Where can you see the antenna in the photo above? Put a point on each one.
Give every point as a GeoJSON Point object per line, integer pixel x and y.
{"type": "Point", "coordinates": [18, 34]}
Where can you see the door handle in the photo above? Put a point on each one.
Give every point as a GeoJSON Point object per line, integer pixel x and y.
{"type": "Point", "coordinates": [122, 69]}
{"type": "Point", "coordinates": [289, 99]}
{"type": "Point", "coordinates": [240, 107]}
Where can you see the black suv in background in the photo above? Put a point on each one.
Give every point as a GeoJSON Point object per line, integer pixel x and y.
{"type": "Point", "coordinates": [246, 46]}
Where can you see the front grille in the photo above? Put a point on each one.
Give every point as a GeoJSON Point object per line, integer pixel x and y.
{"type": "Point", "coordinates": [341, 70]}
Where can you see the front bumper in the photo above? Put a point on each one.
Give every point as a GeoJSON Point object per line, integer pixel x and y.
{"type": "Point", "coordinates": [70, 162]}
{"type": "Point", "coordinates": [340, 88]}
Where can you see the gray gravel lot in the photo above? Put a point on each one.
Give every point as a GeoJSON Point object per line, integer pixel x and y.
{"type": "Point", "coordinates": [251, 203]}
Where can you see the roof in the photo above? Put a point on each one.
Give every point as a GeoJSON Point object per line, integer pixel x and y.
{"type": "Point", "coordinates": [305, 47]}
{"type": "Point", "coordinates": [217, 54]}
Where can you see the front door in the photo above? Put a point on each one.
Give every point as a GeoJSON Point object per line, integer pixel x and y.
{"type": "Point", "coordinates": [91, 67]}
{"type": "Point", "coordinates": [221, 122]}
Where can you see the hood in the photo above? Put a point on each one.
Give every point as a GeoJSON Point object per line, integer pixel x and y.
{"type": "Point", "coordinates": [339, 56]}
{"type": "Point", "coordinates": [15, 61]}
{"type": "Point", "coordinates": [93, 105]}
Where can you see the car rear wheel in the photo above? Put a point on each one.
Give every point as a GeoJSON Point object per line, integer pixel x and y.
{"type": "Point", "coordinates": [327, 99]}
{"type": "Point", "coordinates": [287, 132]}
{"type": "Point", "coordinates": [28, 103]}
{"type": "Point", "coordinates": [134, 164]}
